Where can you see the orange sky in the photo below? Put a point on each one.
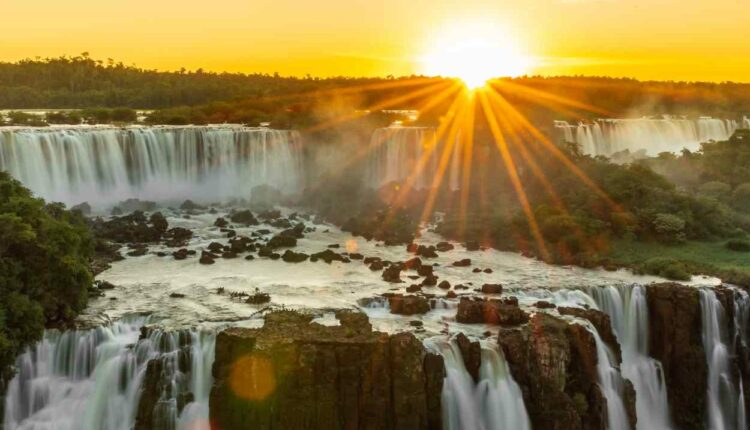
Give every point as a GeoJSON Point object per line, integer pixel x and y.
{"type": "Point", "coordinates": [654, 39]}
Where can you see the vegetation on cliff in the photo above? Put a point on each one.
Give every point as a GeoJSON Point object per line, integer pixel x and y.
{"type": "Point", "coordinates": [44, 274]}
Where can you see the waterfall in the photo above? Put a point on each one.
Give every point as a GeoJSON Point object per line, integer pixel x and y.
{"type": "Point", "coordinates": [608, 136]}
{"type": "Point", "coordinates": [399, 153]}
{"type": "Point", "coordinates": [494, 403]}
{"type": "Point", "coordinates": [610, 382]}
{"type": "Point", "coordinates": [745, 122]}
{"type": "Point", "coordinates": [104, 165]}
{"type": "Point", "coordinates": [725, 403]}
{"type": "Point", "coordinates": [628, 312]}
{"type": "Point", "coordinates": [93, 379]}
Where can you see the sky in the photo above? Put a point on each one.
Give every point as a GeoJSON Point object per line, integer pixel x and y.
{"type": "Point", "coordinates": [706, 40]}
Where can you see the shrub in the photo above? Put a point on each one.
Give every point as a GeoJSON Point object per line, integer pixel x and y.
{"type": "Point", "coordinates": [666, 267]}
{"type": "Point", "coordinates": [741, 197]}
{"type": "Point", "coordinates": [738, 245]}
{"type": "Point", "coordinates": [715, 190]}
{"type": "Point", "coordinates": [669, 228]}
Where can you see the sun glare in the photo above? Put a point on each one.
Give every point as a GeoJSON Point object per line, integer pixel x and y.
{"type": "Point", "coordinates": [474, 54]}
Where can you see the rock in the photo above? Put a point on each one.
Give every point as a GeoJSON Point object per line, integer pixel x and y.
{"type": "Point", "coordinates": [445, 285]}
{"type": "Point", "coordinates": [229, 254]}
{"type": "Point", "coordinates": [180, 254]}
{"type": "Point", "coordinates": [487, 270]}
{"type": "Point", "coordinates": [543, 304]}
{"type": "Point", "coordinates": [221, 222]}
{"type": "Point", "coordinates": [245, 217]}
{"type": "Point", "coordinates": [280, 241]}
{"type": "Point", "coordinates": [207, 258]}
{"type": "Point", "coordinates": [177, 296]}
{"type": "Point", "coordinates": [425, 270]}
{"type": "Point", "coordinates": [189, 205]}
{"type": "Point", "coordinates": [408, 305]}
{"type": "Point", "coordinates": [600, 321]}
{"type": "Point", "coordinates": [430, 280]}
{"type": "Point", "coordinates": [269, 215]}
{"type": "Point", "coordinates": [392, 274]}
{"type": "Point", "coordinates": [215, 247]}
{"type": "Point", "coordinates": [471, 352]}
{"type": "Point", "coordinates": [104, 285]}
{"type": "Point", "coordinates": [490, 312]}
{"type": "Point", "coordinates": [240, 244]}
{"type": "Point", "coordinates": [492, 289]}
{"type": "Point", "coordinates": [476, 270]}
{"type": "Point", "coordinates": [554, 363]}
{"type": "Point", "coordinates": [414, 288]}
{"type": "Point", "coordinates": [265, 251]}
{"type": "Point", "coordinates": [297, 232]}
{"type": "Point", "coordinates": [356, 256]}
{"type": "Point", "coordinates": [376, 266]}
{"type": "Point", "coordinates": [329, 256]}
{"type": "Point", "coordinates": [472, 245]}
{"type": "Point", "coordinates": [426, 251]}
{"type": "Point", "coordinates": [451, 295]}
{"type": "Point", "coordinates": [258, 298]}
{"type": "Point", "coordinates": [675, 340]}
{"type": "Point", "coordinates": [137, 252]}
{"type": "Point", "coordinates": [177, 237]}
{"type": "Point", "coordinates": [466, 262]}
{"type": "Point", "coordinates": [411, 248]}
{"type": "Point", "coordinates": [84, 208]}
{"type": "Point", "coordinates": [249, 257]}
{"type": "Point", "coordinates": [294, 257]}
{"type": "Point", "coordinates": [444, 246]}
{"type": "Point", "coordinates": [293, 374]}
{"type": "Point", "coordinates": [131, 228]}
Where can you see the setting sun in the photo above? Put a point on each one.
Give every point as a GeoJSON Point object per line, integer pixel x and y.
{"type": "Point", "coordinates": [474, 54]}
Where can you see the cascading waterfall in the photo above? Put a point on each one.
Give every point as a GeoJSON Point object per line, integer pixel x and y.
{"type": "Point", "coordinates": [493, 403]}
{"type": "Point", "coordinates": [725, 403]}
{"type": "Point", "coordinates": [745, 122]}
{"type": "Point", "coordinates": [399, 153]}
{"type": "Point", "coordinates": [93, 379]}
{"type": "Point", "coordinates": [104, 165]}
{"type": "Point", "coordinates": [608, 136]}
{"type": "Point", "coordinates": [628, 312]}
{"type": "Point", "coordinates": [610, 382]}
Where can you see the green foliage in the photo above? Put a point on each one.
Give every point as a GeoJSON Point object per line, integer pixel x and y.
{"type": "Point", "coordinates": [738, 245]}
{"type": "Point", "coordinates": [666, 267]}
{"type": "Point", "coordinates": [25, 119]}
{"type": "Point", "coordinates": [44, 275]}
{"type": "Point", "coordinates": [715, 190]}
{"type": "Point", "coordinates": [670, 228]}
{"type": "Point", "coordinates": [741, 197]}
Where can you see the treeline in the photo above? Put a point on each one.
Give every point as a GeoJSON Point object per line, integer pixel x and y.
{"type": "Point", "coordinates": [198, 96]}
{"type": "Point", "coordinates": [70, 117]}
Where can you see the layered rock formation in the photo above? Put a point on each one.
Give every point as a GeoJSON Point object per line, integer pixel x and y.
{"type": "Point", "coordinates": [296, 374]}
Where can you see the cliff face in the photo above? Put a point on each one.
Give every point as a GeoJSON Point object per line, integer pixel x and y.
{"type": "Point", "coordinates": [294, 374]}
{"type": "Point", "coordinates": [554, 362]}
{"type": "Point", "coordinates": [675, 340]}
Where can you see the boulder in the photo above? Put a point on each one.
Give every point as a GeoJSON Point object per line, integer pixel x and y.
{"type": "Point", "coordinates": [221, 222]}
{"type": "Point", "coordinates": [189, 205]}
{"type": "Point", "coordinates": [475, 311]}
{"type": "Point", "coordinates": [207, 258]}
{"type": "Point", "coordinates": [466, 262]}
{"type": "Point", "coordinates": [408, 305]}
{"type": "Point", "coordinates": [281, 241]}
{"type": "Point", "coordinates": [492, 289]}
{"type": "Point", "coordinates": [471, 352]}
{"type": "Point", "coordinates": [444, 246]}
{"type": "Point", "coordinates": [294, 257]}
{"type": "Point", "coordinates": [328, 256]}
{"type": "Point", "coordinates": [245, 217]}
{"type": "Point", "coordinates": [392, 274]}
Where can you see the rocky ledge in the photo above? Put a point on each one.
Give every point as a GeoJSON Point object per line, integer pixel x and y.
{"type": "Point", "coordinates": [297, 374]}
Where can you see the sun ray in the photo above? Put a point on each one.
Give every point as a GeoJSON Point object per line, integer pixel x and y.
{"type": "Point", "coordinates": [537, 95]}
{"type": "Point", "coordinates": [513, 174]}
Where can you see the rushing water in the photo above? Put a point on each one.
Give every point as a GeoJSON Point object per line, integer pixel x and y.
{"type": "Point", "coordinates": [628, 311]}
{"type": "Point", "coordinates": [725, 403]}
{"type": "Point", "coordinates": [411, 153]}
{"type": "Point", "coordinates": [608, 136]}
{"type": "Point", "coordinates": [495, 402]}
{"type": "Point", "coordinates": [104, 165]}
{"type": "Point", "coordinates": [92, 379]}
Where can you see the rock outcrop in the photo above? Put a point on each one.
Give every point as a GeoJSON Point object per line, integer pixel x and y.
{"type": "Point", "coordinates": [554, 363]}
{"type": "Point", "coordinates": [675, 340]}
{"type": "Point", "coordinates": [295, 374]}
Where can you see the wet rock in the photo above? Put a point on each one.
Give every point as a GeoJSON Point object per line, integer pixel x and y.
{"type": "Point", "coordinates": [294, 257]}
{"type": "Point", "coordinates": [543, 304]}
{"type": "Point", "coordinates": [229, 254]}
{"type": "Point", "coordinates": [476, 270]}
{"type": "Point", "coordinates": [240, 244]}
{"type": "Point", "coordinates": [131, 228]}
{"type": "Point", "coordinates": [492, 289]}
{"type": "Point", "coordinates": [408, 305]}
{"type": "Point", "coordinates": [451, 295]}
{"type": "Point", "coordinates": [265, 251]}
{"type": "Point", "coordinates": [280, 241]}
{"type": "Point", "coordinates": [104, 285]}
{"type": "Point", "coordinates": [471, 353]}
{"type": "Point", "coordinates": [487, 270]}
{"type": "Point", "coordinates": [376, 266]}
{"type": "Point", "coordinates": [444, 246]}
{"type": "Point", "coordinates": [297, 232]}
{"type": "Point", "coordinates": [177, 296]}
{"type": "Point", "coordinates": [675, 340]}
{"type": "Point", "coordinates": [430, 280]}
{"type": "Point", "coordinates": [554, 363]}
{"type": "Point", "coordinates": [258, 298]}
{"type": "Point", "coordinates": [494, 312]}
{"type": "Point", "coordinates": [299, 375]}
{"type": "Point", "coordinates": [138, 251]}
{"type": "Point", "coordinates": [245, 217]}
{"type": "Point", "coordinates": [414, 288]}
{"type": "Point", "coordinates": [426, 251]}
{"type": "Point", "coordinates": [600, 321]}
{"type": "Point", "coordinates": [215, 247]}
{"type": "Point", "coordinates": [392, 274]}
{"type": "Point", "coordinates": [249, 257]}
{"type": "Point", "coordinates": [356, 256]}
{"type": "Point", "coordinates": [412, 248]}
{"type": "Point", "coordinates": [189, 205]}
{"type": "Point", "coordinates": [466, 262]}
{"type": "Point", "coordinates": [207, 258]}
{"type": "Point", "coordinates": [177, 237]}
{"type": "Point", "coordinates": [180, 254]}
{"type": "Point", "coordinates": [425, 270]}
{"type": "Point", "coordinates": [221, 222]}
{"type": "Point", "coordinates": [328, 256]}
{"type": "Point", "coordinates": [445, 285]}
{"type": "Point", "coordinates": [270, 214]}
